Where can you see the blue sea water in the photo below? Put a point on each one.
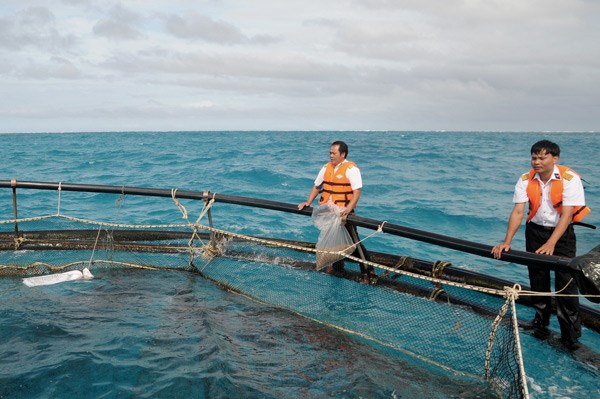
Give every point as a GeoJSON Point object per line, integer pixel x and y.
{"type": "Point", "coordinates": [58, 342]}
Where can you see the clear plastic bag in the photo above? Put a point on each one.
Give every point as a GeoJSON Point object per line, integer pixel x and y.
{"type": "Point", "coordinates": [333, 236]}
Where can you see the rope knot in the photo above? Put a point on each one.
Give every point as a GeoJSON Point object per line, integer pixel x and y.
{"type": "Point", "coordinates": [18, 241]}
{"type": "Point", "coordinates": [513, 292]}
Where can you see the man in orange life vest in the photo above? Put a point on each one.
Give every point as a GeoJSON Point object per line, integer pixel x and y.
{"type": "Point", "coordinates": [340, 182]}
{"type": "Point", "coordinates": [556, 200]}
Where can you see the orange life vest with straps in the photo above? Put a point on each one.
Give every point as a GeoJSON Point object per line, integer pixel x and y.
{"type": "Point", "coordinates": [534, 193]}
{"type": "Point", "coordinates": [336, 186]}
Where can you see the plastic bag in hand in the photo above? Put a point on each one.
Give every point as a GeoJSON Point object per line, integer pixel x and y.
{"type": "Point", "coordinates": [333, 236]}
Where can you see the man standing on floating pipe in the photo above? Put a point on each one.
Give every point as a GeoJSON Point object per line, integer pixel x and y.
{"type": "Point", "coordinates": [340, 182]}
{"type": "Point", "coordinates": [556, 200]}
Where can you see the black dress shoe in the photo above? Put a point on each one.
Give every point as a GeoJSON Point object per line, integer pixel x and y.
{"type": "Point", "coordinates": [571, 344]}
{"type": "Point", "coordinates": [540, 331]}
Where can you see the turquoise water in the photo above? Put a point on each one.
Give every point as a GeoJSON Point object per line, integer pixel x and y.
{"type": "Point", "coordinates": [180, 336]}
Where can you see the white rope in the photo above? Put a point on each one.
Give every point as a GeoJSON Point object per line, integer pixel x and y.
{"type": "Point", "coordinates": [195, 226]}
{"type": "Point", "coordinates": [128, 226]}
{"type": "Point", "coordinates": [492, 336]}
{"type": "Point", "coordinates": [552, 293]}
{"type": "Point", "coordinates": [511, 294]}
{"type": "Point", "coordinates": [378, 231]}
{"type": "Point", "coordinates": [181, 207]}
{"type": "Point", "coordinates": [94, 249]}
{"type": "Point", "coordinates": [58, 205]}
{"type": "Point", "coordinates": [31, 219]}
{"type": "Point", "coordinates": [515, 325]}
{"type": "Point", "coordinates": [207, 206]}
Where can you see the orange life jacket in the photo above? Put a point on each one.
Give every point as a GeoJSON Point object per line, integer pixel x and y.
{"type": "Point", "coordinates": [534, 193]}
{"type": "Point", "coordinates": [336, 186]}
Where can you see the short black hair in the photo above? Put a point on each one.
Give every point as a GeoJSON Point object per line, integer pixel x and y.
{"type": "Point", "coordinates": [546, 146]}
{"type": "Point", "coordinates": [343, 147]}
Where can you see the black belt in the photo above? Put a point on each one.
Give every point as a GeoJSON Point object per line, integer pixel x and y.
{"type": "Point", "coordinates": [540, 227]}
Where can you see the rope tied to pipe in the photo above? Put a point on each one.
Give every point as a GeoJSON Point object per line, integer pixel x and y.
{"type": "Point", "coordinates": [208, 250]}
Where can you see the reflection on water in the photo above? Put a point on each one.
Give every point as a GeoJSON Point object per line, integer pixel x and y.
{"type": "Point", "coordinates": [171, 334]}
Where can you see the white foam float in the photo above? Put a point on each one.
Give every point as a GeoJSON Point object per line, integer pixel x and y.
{"type": "Point", "coordinates": [57, 278]}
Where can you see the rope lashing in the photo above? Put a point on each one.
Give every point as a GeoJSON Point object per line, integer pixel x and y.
{"type": "Point", "coordinates": [18, 241]}
{"type": "Point", "coordinates": [436, 272]}
{"type": "Point", "coordinates": [436, 292]}
{"type": "Point", "coordinates": [402, 262]}
{"type": "Point", "coordinates": [181, 207]}
{"type": "Point", "coordinates": [206, 249]}
{"type": "Point", "coordinates": [438, 268]}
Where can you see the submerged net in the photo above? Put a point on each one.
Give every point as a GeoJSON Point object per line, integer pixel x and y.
{"type": "Point", "coordinates": [444, 325]}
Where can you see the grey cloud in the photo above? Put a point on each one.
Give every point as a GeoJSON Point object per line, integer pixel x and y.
{"type": "Point", "coordinates": [121, 23]}
{"type": "Point", "coordinates": [78, 2]}
{"type": "Point", "coordinates": [402, 43]}
{"type": "Point", "coordinates": [56, 67]}
{"type": "Point", "coordinates": [287, 75]}
{"type": "Point", "coordinates": [478, 45]}
{"type": "Point", "coordinates": [115, 30]}
{"type": "Point", "coordinates": [481, 12]}
{"type": "Point", "coordinates": [33, 26]}
{"type": "Point", "coordinates": [196, 26]}
{"type": "Point", "coordinates": [228, 65]}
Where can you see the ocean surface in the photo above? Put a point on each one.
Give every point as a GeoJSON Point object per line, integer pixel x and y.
{"type": "Point", "coordinates": [129, 333]}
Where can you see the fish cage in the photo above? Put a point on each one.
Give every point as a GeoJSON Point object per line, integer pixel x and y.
{"type": "Point", "coordinates": [467, 324]}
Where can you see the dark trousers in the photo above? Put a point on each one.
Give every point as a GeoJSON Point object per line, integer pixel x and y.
{"type": "Point", "coordinates": [567, 308]}
{"type": "Point", "coordinates": [339, 265]}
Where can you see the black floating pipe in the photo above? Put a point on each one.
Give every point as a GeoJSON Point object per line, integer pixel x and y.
{"type": "Point", "coordinates": [520, 257]}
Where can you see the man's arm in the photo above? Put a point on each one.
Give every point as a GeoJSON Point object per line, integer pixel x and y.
{"type": "Point", "coordinates": [352, 204]}
{"type": "Point", "coordinates": [514, 222]}
{"type": "Point", "coordinates": [311, 197]}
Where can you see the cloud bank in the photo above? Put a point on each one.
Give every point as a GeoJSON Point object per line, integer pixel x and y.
{"type": "Point", "coordinates": [94, 65]}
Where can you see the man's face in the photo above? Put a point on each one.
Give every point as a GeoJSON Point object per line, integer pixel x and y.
{"type": "Point", "coordinates": [335, 156]}
{"type": "Point", "coordinates": [543, 162]}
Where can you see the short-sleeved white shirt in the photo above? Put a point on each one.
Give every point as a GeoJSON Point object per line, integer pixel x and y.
{"type": "Point", "coordinates": [546, 215]}
{"type": "Point", "coordinates": [352, 173]}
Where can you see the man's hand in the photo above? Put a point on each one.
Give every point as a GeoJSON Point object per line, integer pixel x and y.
{"type": "Point", "coordinates": [546, 249]}
{"type": "Point", "coordinates": [303, 205]}
{"type": "Point", "coordinates": [498, 249]}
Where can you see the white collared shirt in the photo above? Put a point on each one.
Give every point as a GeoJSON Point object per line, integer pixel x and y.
{"type": "Point", "coordinates": [547, 215]}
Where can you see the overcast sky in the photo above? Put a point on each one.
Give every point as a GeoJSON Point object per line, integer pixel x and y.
{"type": "Point", "coordinates": [103, 65]}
